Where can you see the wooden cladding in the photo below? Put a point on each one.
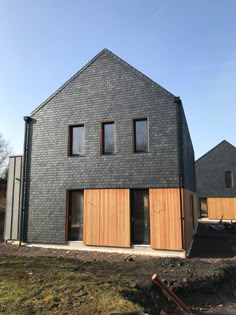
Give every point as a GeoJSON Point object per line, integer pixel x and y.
{"type": "Point", "coordinates": [221, 207]}
{"type": "Point", "coordinates": [107, 221]}
{"type": "Point", "coordinates": [189, 215]}
{"type": "Point", "coordinates": [107, 217]}
{"type": "Point", "coordinates": [165, 219]}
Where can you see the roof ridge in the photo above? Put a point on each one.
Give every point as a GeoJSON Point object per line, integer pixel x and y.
{"type": "Point", "coordinates": [85, 67]}
{"type": "Point", "coordinates": [216, 146]}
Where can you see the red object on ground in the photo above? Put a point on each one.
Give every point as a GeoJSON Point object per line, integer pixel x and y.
{"type": "Point", "coordinates": [171, 295]}
{"type": "Point", "coordinates": [163, 313]}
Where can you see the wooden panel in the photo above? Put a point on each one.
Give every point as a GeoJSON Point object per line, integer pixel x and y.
{"type": "Point", "coordinates": [190, 218]}
{"type": "Point", "coordinates": [221, 207]}
{"type": "Point", "coordinates": [107, 217]}
{"type": "Point", "coordinates": [165, 219]}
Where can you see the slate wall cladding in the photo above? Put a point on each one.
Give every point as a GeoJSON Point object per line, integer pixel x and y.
{"type": "Point", "coordinates": [187, 158]}
{"type": "Point", "coordinates": [108, 89]}
{"type": "Point", "coordinates": [210, 171]}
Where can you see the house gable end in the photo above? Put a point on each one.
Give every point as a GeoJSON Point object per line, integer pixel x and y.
{"type": "Point", "coordinates": [211, 169]}
{"type": "Point", "coordinates": [222, 145]}
{"type": "Point", "coordinates": [115, 58]}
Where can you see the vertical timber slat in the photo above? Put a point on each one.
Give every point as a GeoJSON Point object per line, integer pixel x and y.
{"type": "Point", "coordinates": [221, 207]}
{"type": "Point", "coordinates": [107, 217]}
{"type": "Point", "coordinates": [165, 219]}
{"type": "Point", "coordinates": [188, 224]}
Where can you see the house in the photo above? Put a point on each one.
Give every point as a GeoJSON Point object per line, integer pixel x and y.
{"type": "Point", "coordinates": [109, 162]}
{"type": "Point", "coordinates": [3, 186]}
{"type": "Point", "coordinates": [215, 177]}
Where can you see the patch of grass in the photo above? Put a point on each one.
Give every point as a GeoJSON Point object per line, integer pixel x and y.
{"type": "Point", "coordinates": [44, 285]}
{"type": "Point", "coordinates": [10, 292]}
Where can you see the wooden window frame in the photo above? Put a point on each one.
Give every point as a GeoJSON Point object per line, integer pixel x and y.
{"type": "Point", "coordinates": [70, 140]}
{"type": "Point", "coordinates": [231, 179]}
{"type": "Point", "coordinates": [143, 118]}
{"type": "Point", "coordinates": [102, 142]}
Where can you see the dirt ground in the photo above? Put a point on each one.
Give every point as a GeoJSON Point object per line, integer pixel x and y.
{"type": "Point", "coordinates": [101, 283]}
{"type": "Point", "coordinates": [210, 243]}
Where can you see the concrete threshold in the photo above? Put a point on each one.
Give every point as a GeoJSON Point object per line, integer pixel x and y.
{"type": "Point", "coordinates": [144, 250]}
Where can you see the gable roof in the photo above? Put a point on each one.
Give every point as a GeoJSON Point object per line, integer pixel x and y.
{"type": "Point", "coordinates": [222, 143]}
{"type": "Point", "coordinates": [105, 50]}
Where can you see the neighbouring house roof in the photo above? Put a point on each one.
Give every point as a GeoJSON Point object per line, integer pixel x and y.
{"type": "Point", "coordinates": [222, 143]}
{"type": "Point", "coordinates": [86, 66]}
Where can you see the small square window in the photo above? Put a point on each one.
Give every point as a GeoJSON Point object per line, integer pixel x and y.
{"type": "Point", "coordinates": [76, 140]}
{"type": "Point", "coordinates": [229, 179]}
{"type": "Point", "coordinates": [140, 130]}
{"type": "Point", "coordinates": [108, 138]}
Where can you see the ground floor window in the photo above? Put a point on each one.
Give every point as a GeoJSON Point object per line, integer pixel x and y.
{"type": "Point", "coordinates": [75, 215]}
{"type": "Point", "coordinates": [203, 207]}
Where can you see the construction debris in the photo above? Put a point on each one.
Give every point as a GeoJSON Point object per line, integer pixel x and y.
{"type": "Point", "coordinates": [171, 295]}
{"type": "Point", "coordinates": [222, 226]}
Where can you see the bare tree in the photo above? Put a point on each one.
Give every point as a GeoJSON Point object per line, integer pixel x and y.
{"type": "Point", "coordinates": [4, 153]}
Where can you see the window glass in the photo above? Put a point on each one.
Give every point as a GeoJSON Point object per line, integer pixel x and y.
{"type": "Point", "coordinates": [108, 138]}
{"type": "Point", "coordinates": [75, 220]}
{"type": "Point", "coordinates": [228, 179]}
{"type": "Point", "coordinates": [203, 207]}
{"type": "Point", "coordinates": [77, 140]}
{"type": "Point", "coordinates": [140, 135]}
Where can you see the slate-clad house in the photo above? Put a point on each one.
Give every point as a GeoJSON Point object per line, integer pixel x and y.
{"type": "Point", "coordinates": [215, 177]}
{"type": "Point", "coordinates": [108, 161]}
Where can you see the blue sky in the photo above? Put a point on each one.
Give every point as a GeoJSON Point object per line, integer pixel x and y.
{"type": "Point", "coordinates": [187, 46]}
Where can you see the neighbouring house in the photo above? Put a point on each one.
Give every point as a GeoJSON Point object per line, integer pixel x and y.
{"type": "Point", "coordinates": [108, 161]}
{"type": "Point", "coordinates": [215, 177]}
{"type": "Point", "coordinates": [13, 199]}
{"type": "Point", "coordinates": [3, 186]}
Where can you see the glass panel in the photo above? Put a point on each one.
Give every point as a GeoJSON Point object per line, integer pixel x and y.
{"type": "Point", "coordinates": [108, 140]}
{"type": "Point", "coordinates": [203, 207]}
{"type": "Point", "coordinates": [141, 135]}
{"type": "Point", "coordinates": [140, 217]}
{"type": "Point", "coordinates": [146, 236]}
{"type": "Point", "coordinates": [76, 215]}
{"type": "Point", "coordinates": [78, 140]}
{"type": "Point", "coordinates": [228, 179]}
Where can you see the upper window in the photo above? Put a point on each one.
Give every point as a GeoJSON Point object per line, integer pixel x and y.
{"type": "Point", "coordinates": [108, 138]}
{"type": "Point", "coordinates": [229, 179]}
{"type": "Point", "coordinates": [140, 135]}
{"type": "Point", "coordinates": [76, 141]}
